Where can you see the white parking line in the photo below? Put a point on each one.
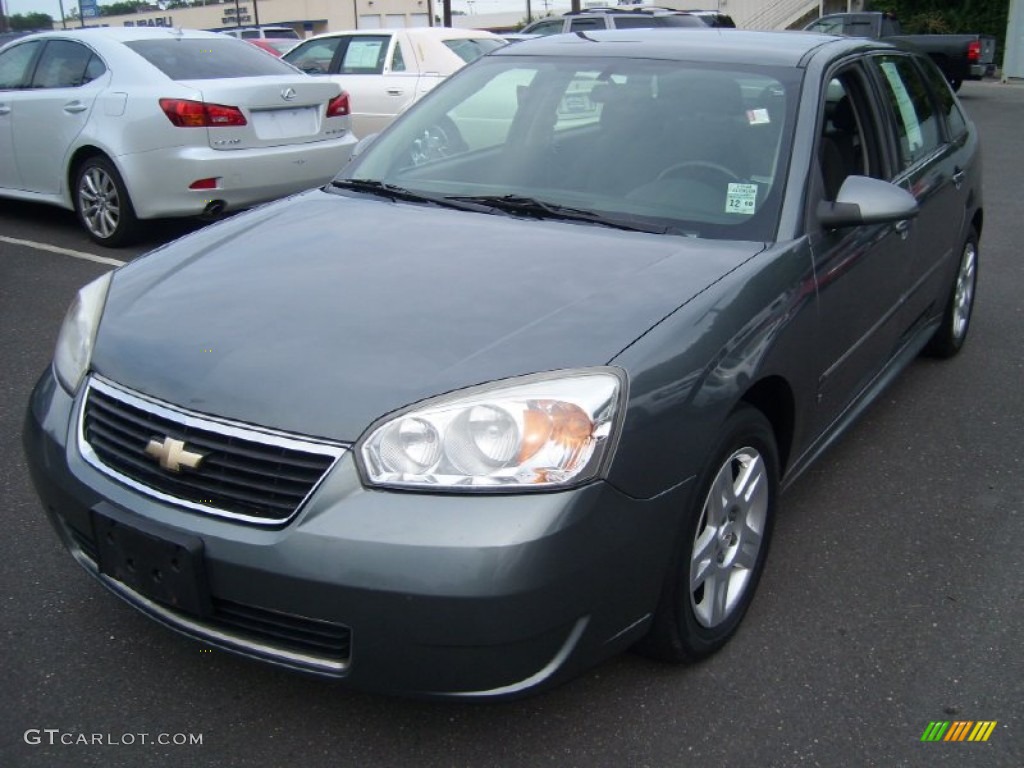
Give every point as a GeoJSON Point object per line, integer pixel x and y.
{"type": "Point", "coordinates": [63, 251]}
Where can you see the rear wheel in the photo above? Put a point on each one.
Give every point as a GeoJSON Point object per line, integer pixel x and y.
{"type": "Point", "coordinates": [102, 203]}
{"type": "Point", "coordinates": [721, 554]}
{"type": "Point", "coordinates": [956, 319]}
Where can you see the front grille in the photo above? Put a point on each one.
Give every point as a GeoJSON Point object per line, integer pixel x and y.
{"type": "Point", "coordinates": [249, 474]}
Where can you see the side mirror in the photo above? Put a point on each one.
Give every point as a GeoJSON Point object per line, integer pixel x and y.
{"type": "Point", "coordinates": [863, 200]}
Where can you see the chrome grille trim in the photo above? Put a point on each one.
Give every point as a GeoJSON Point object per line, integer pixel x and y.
{"type": "Point", "coordinates": [213, 426]}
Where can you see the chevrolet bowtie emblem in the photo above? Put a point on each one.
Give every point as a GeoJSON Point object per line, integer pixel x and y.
{"type": "Point", "coordinates": [172, 454]}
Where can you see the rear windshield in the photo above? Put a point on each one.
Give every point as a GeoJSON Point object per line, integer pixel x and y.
{"type": "Point", "coordinates": [194, 58]}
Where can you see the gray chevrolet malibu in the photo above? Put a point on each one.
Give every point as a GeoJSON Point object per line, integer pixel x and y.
{"type": "Point", "coordinates": [520, 388]}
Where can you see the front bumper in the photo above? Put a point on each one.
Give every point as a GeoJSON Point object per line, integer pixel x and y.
{"type": "Point", "coordinates": [411, 593]}
{"type": "Point", "coordinates": [158, 181]}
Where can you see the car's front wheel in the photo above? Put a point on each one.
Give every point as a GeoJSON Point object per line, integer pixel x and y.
{"type": "Point", "coordinates": [721, 553]}
{"type": "Point", "coordinates": [102, 203]}
{"type": "Point", "coordinates": [956, 318]}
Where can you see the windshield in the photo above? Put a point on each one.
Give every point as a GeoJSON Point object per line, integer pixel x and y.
{"type": "Point", "coordinates": [655, 145]}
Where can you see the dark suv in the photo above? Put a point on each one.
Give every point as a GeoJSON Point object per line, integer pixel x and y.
{"type": "Point", "coordinates": [615, 18]}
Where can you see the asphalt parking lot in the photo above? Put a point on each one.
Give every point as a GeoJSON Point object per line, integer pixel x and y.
{"type": "Point", "coordinates": [893, 596]}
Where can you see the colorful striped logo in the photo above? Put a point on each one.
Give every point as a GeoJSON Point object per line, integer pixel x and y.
{"type": "Point", "coordinates": [960, 730]}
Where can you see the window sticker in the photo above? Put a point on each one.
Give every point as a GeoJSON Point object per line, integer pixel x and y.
{"type": "Point", "coordinates": [906, 106]}
{"type": "Point", "coordinates": [741, 198]}
{"type": "Point", "coordinates": [758, 116]}
{"type": "Point", "coordinates": [362, 54]}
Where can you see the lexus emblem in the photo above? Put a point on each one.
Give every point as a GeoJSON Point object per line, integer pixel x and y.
{"type": "Point", "coordinates": [172, 454]}
{"type": "Point", "coordinates": [288, 94]}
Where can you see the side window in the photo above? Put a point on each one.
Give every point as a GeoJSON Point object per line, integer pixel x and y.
{"type": "Point", "coordinates": [586, 24]}
{"type": "Point", "coordinates": [827, 26]}
{"type": "Point", "coordinates": [365, 55]}
{"type": "Point", "coordinates": [552, 27]}
{"type": "Point", "coordinates": [93, 69]}
{"type": "Point", "coordinates": [956, 123]}
{"type": "Point", "coordinates": [62, 65]}
{"type": "Point", "coordinates": [849, 140]}
{"type": "Point", "coordinates": [14, 65]}
{"type": "Point", "coordinates": [633, 22]}
{"type": "Point", "coordinates": [397, 59]}
{"type": "Point", "coordinates": [315, 57]}
{"type": "Point", "coordinates": [915, 118]}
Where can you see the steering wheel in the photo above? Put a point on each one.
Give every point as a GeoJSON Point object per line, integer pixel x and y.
{"type": "Point", "coordinates": [440, 140]}
{"type": "Point", "coordinates": [679, 170]}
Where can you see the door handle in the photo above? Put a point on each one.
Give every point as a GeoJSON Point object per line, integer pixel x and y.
{"type": "Point", "coordinates": [395, 91]}
{"type": "Point", "coordinates": [74, 107]}
{"type": "Point", "coordinates": [4, 109]}
{"type": "Point", "coordinates": [958, 177]}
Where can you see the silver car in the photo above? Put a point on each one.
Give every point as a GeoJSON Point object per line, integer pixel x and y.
{"type": "Point", "coordinates": [123, 125]}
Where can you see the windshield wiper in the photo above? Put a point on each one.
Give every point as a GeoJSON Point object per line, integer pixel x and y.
{"type": "Point", "coordinates": [528, 206]}
{"type": "Point", "coordinates": [395, 192]}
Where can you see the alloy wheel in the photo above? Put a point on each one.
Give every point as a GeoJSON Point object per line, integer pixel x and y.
{"type": "Point", "coordinates": [99, 202]}
{"type": "Point", "coordinates": [729, 537]}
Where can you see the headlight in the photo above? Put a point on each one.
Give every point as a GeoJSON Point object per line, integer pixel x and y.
{"type": "Point", "coordinates": [541, 431]}
{"type": "Point", "coordinates": [77, 334]}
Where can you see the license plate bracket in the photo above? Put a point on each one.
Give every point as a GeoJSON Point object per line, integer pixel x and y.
{"type": "Point", "coordinates": [160, 563]}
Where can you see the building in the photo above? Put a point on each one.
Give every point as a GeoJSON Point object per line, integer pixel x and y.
{"type": "Point", "coordinates": [306, 17]}
{"type": "Point", "coordinates": [312, 17]}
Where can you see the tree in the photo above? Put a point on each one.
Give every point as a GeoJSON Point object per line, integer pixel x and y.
{"type": "Point", "coordinates": [120, 9]}
{"type": "Point", "coordinates": [30, 21]}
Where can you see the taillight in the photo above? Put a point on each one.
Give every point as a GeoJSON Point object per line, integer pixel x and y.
{"type": "Point", "coordinates": [973, 51]}
{"type": "Point", "coordinates": [338, 106]}
{"type": "Point", "coordinates": [185, 113]}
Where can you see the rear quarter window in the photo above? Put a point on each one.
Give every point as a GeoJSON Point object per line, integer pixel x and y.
{"type": "Point", "coordinates": [191, 58]}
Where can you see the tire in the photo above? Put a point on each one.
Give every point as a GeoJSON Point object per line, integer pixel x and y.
{"type": "Point", "coordinates": [102, 203]}
{"type": "Point", "coordinates": [950, 336]}
{"type": "Point", "coordinates": [723, 545]}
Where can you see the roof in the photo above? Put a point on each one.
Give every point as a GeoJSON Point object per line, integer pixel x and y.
{"type": "Point", "coordinates": [713, 45]}
{"type": "Point", "coordinates": [438, 33]}
{"type": "Point", "coordinates": [124, 34]}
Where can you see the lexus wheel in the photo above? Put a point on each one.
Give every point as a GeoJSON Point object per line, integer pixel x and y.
{"type": "Point", "coordinates": [102, 203]}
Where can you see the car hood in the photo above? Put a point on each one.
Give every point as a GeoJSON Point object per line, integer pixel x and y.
{"type": "Point", "coordinates": [321, 313]}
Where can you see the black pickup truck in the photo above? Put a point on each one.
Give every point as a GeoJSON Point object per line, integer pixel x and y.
{"type": "Point", "coordinates": [960, 57]}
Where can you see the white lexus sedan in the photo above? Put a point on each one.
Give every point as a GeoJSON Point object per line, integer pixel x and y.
{"type": "Point", "coordinates": [125, 125]}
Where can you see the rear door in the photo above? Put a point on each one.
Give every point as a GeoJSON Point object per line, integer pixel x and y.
{"type": "Point", "coordinates": [16, 65]}
{"type": "Point", "coordinates": [53, 111]}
